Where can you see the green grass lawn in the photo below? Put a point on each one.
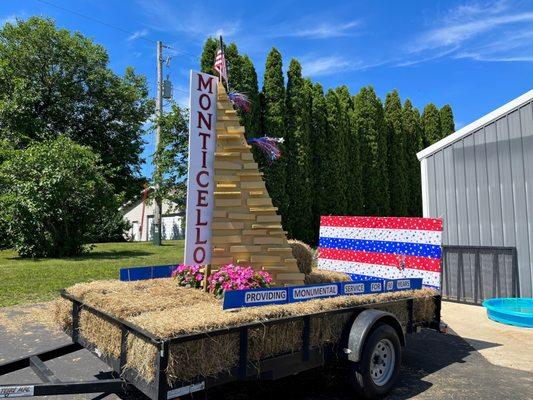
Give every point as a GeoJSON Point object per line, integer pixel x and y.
{"type": "Point", "coordinates": [25, 281]}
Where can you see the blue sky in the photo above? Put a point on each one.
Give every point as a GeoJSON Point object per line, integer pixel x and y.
{"type": "Point", "coordinates": [475, 56]}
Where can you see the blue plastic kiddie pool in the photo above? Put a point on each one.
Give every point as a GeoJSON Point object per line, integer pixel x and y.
{"type": "Point", "coordinates": [511, 311]}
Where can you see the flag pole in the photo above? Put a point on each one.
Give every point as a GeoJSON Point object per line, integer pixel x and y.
{"type": "Point", "coordinates": [225, 64]}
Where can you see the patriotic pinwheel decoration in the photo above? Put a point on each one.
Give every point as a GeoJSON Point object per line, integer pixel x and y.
{"type": "Point", "coordinates": [239, 100]}
{"type": "Point", "coordinates": [269, 146]}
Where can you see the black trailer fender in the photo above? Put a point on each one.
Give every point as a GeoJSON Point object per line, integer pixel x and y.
{"type": "Point", "coordinates": [361, 327]}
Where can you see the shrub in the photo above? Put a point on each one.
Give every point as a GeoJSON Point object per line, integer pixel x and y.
{"type": "Point", "coordinates": [52, 196]}
{"type": "Point", "coordinates": [303, 254]}
{"type": "Point", "coordinates": [234, 277]}
{"type": "Point", "coordinates": [188, 276]}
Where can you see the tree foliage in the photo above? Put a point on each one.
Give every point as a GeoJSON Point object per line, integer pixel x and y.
{"type": "Point", "coordinates": [207, 60]}
{"type": "Point", "coordinates": [299, 216]}
{"type": "Point", "coordinates": [396, 155]}
{"type": "Point", "coordinates": [274, 115]}
{"type": "Point", "coordinates": [171, 157]}
{"type": "Point", "coordinates": [53, 196]}
{"type": "Point", "coordinates": [54, 82]}
{"type": "Point", "coordinates": [413, 144]}
{"type": "Point", "coordinates": [447, 125]}
{"type": "Point", "coordinates": [431, 125]}
{"type": "Point", "coordinates": [368, 115]}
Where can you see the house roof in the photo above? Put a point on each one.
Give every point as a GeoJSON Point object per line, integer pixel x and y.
{"type": "Point", "coordinates": [476, 125]}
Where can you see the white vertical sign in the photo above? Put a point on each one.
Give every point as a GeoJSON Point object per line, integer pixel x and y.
{"type": "Point", "coordinates": [200, 183]}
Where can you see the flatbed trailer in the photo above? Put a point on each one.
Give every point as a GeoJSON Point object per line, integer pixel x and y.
{"type": "Point", "coordinates": [371, 343]}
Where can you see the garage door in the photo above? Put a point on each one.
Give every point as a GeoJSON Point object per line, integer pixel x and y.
{"type": "Point", "coordinates": [170, 227]}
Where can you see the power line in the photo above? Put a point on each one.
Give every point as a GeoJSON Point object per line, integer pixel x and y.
{"type": "Point", "coordinates": [118, 28]}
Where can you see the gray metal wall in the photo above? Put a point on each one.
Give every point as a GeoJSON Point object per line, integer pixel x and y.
{"type": "Point", "coordinates": [482, 185]}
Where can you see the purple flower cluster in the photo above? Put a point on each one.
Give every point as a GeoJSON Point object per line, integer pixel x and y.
{"type": "Point", "coordinates": [188, 275]}
{"type": "Point", "coordinates": [235, 277]}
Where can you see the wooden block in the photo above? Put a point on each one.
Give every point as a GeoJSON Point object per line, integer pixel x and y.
{"type": "Point", "coordinates": [227, 194]}
{"type": "Point", "coordinates": [263, 209]}
{"type": "Point", "coordinates": [216, 239]}
{"type": "Point", "coordinates": [225, 136]}
{"type": "Point", "coordinates": [278, 232]}
{"type": "Point", "coordinates": [228, 202]}
{"type": "Point", "coordinates": [247, 156]}
{"type": "Point", "coordinates": [231, 112]}
{"type": "Point", "coordinates": [255, 232]}
{"type": "Point", "coordinates": [221, 260]}
{"type": "Point", "coordinates": [249, 173]}
{"type": "Point", "coordinates": [245, 249]}
{"type": "Point", "coordinates": [263, 259]}
{"type": "Point", "coordinates": [266, 226]}
{"type": "Point", "coordinates": [252, 166]}
{"type": "Point", "coordinates": [235, 147]}
{"type": "Point", "coordinates": [227, 154]}
{"type": "Point", "coordinates": [227, 165]}
{"type": "Point", "coordinates": [268, 218]}
{"type": "Point", "coordinates": [220, 214]}
{"type": "Point", "coordinates": [279, 249]}
{"type": "Point", "coordinates": [256, 193]}
{"type": "Point", "coordinates": [268, 240]}
{"type": "Point", "coordinates": [226, 185]}
{"type": "Point", "coordinates": [241, 216]}
{"type": "Point", "coordinates": [265, 201]}
{"type": "Point", "coordinates": [219, 249]}
{"type": "Point", "coordinates": [227, 225]}
{"type": "Point", "coordinates": [252, 185]}
{"type": "Point", "coordinates": [291, 263]}
{"type": "Point", "coordinates": [235, 129]}
{"type": "Point", "coordinates": [226, 178]}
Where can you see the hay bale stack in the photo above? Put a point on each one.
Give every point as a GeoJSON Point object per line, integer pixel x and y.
{"type": "Point", "coordinates": [303, 255]}
{"type": "Point", "coordinates": [166, 310]}
{"type": "Point", "coordinates": [323, 276]}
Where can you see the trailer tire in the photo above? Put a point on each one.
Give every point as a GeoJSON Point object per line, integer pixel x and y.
{"type": "Point", "coordinates": [377, 372]}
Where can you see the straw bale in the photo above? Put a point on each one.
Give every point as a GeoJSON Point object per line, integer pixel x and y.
{"type": "Point", "coordinates": [303, 255]}
{"type": "Point", "coordinates": [166, 310]}
{"type": "Point", "coordinates": [323, 276]}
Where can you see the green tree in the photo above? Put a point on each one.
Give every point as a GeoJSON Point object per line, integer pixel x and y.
{"type": "Point", "coordinates": [319, 141]}
{"type": "Point", "coordinates": [413, 144]}
{"type": "Point", "coordinates": [56, 82]}
{"type": "Point", "coordinates": [53, 194]}
{"type": "Point", "coordinates": [352, 157]}
{"type": "Point", "coordinates": [273, 95]}
{"type": "Point", "coordinates": [334, 174]}
{"type": "Point", "coordinates": [171, 157]}
{"type": "Point", "coordinates": [396, 155]}
{"type": "Point", "coordinates": [431, 125]}
{"type": "Point", "coordinates": [299, 189]}
{"type": "Point", "coordinates": [368, 116]}
{"type": "Point", "coordinates": [208, 56]}
{"type": "Point", "coordinates": [447, 125]}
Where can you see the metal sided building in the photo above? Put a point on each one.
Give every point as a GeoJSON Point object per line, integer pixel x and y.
{"type": "Point", "coordinates": [480, 180]}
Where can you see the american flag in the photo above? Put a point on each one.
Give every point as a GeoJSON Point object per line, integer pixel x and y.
{"type": "Point", "coordinates": [220, 63]}
{"type": "Point", "coordinates": [382, 247]}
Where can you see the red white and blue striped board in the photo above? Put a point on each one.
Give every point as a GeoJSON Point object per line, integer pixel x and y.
{"type": "Point", "coordinates": [382, 247]}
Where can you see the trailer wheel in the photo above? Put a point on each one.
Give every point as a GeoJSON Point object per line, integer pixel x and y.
{"type": "Point", "coordinates": [377, 372]}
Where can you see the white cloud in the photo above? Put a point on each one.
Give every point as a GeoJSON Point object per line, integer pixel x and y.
{"type": "Point", "coordinates": [323, 30]}
{"type": "Point", "coordinates": [493, 31]}
{"type": "Point", "coordinates": [138, 34]}
{"type": "Point", "coordinates": [8, 18]}
{"type": "Point", "coordinates": [324, 65]}
{"type": "Point", "coordinates": [193, 20]}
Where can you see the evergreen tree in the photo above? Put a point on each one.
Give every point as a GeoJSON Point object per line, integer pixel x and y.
{"type": "Point", "coordinates": [447, 125]}
{"type": "Point", "coordinates": [297, 154]}
{"type": "Point", "coordinates": [274, 126]}
{"type": "Point", "coordinates": [319, 139]}
{"type": "Point", "coordinates": [413, 144]}
{"type": "Point", "coordinates": [252, 119]}
{"type": "Point", "coordinates": [431, 125]}
{"type": "Point", "coordinates": [368, 116]}
{"type": "Point", "coordinates": [396, 155]}
{"type": "Point", "coordinates": [352, 158]}
{"type": "Point", "coordinates": [208, 56]}
{"type": "Point", "coordinates": [334, 174]}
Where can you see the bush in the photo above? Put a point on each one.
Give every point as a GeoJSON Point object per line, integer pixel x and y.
{"type": "Point", "coordinates": [52, 195]}
{"type": "Point", "coordinates": [234, 277]}
{"type": "Point", "coordinates": [303, 254]}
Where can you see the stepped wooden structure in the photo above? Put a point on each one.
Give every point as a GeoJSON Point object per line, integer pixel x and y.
{"type": "Point", "coordinates": [246, 229]}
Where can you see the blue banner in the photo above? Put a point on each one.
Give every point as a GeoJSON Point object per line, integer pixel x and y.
{"type": "Point", "coordinates": [143, 273]}
{"type": "Point", "coordinates": [255, 297]}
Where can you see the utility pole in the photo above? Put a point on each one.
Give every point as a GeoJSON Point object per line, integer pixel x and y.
{"type": "Point", "coordinates": [156, 238]}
